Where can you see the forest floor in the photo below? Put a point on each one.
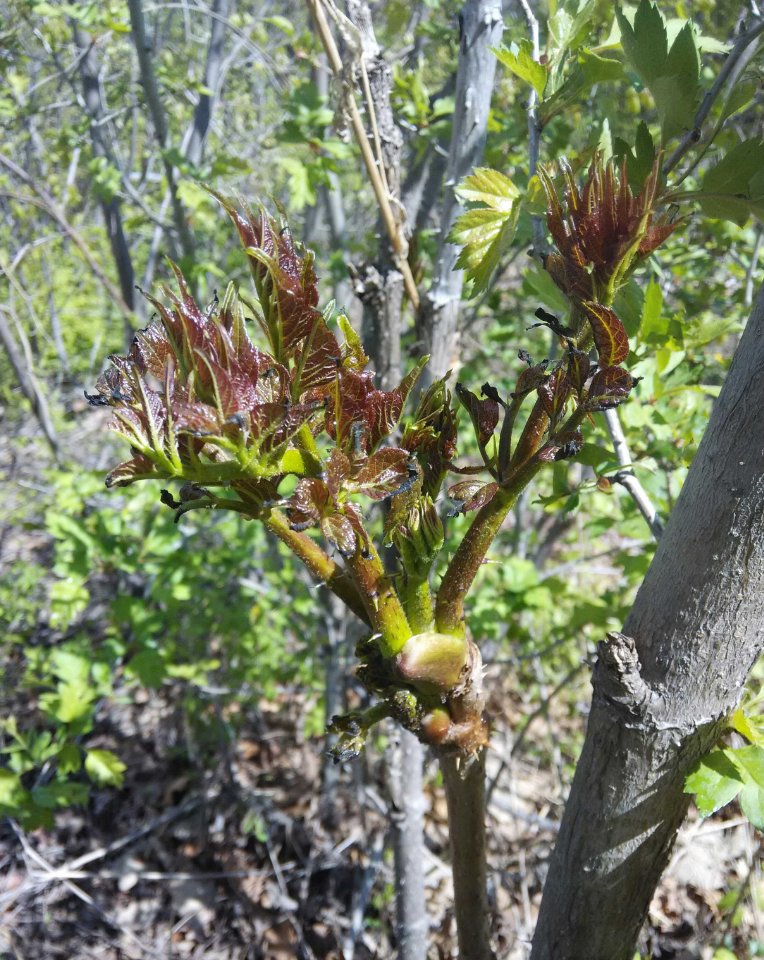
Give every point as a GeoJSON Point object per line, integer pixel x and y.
{"type": "Point", "coordinates": [247, 857]}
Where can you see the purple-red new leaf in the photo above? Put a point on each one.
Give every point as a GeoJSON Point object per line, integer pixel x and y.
{"type": "Point", "coordinates": [610, 336]}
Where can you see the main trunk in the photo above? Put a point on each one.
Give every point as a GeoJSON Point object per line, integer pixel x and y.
{"type": "Point", "coordinates": [663, 688]}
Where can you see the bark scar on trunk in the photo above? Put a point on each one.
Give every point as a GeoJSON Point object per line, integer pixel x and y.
{"type": "Point", "coordinates": [618, 680]}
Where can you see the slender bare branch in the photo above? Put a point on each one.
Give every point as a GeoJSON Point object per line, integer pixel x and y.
{"type": "Point", "coordinates": [627, 478]}
{"type": "Point", "coordinates": [693, 134]}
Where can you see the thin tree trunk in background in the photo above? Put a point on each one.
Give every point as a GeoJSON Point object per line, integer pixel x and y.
{"type": "Point", "coordinates": [28, 384]}
{"type": "Point", "coordinates": [663, 688]}
{"type": "Point", "coordinates": [481, 28]}
{"type": "Point", "coordinates": [111, 209]}
{"type": "Point", "coordinates": [381, 290]}
{"type": "Point", "coordinates": [159, 120]}
{"type": "Point", "coordinates": [221, 10]}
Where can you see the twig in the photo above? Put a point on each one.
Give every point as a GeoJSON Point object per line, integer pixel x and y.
{"type": "Point", "coordinates": [627, 477]}
{"type": "Point", "coordinates": [361, 898]}
{"type": "Point", "coordinates": [693, 135]}
{"type": "Point", "coordinates": [397, 242]}
{"type": "Point", "coordinates": [33, 855]}
{"type": "Point", "coordinates": [49, 205]}
{"type": "Point", "coordinates": [534, 130]}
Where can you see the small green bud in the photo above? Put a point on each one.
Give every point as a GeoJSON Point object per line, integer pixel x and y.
{"type": "Point", "coordinates": [432, 662]}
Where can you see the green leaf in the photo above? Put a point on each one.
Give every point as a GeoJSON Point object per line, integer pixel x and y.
{"type": "Point", "coordinates": [69, 758]}
{"type": "Point", "coordinates": [485, 232]}
{"type": "Point", "coordinates": [715, 781]}
{"type": "Point", "coordinates": [646, 43]}
{"type": "Point", "coordinates": [489, 187]}
{"type": "Point", "coordinates": [599, 69]}
{"type": "Point", "coordinates": [149, 667]}
{"type": "Point", "coordinates": [741, 722]}
{"type": "Point", "coordinates": [734, 188]}
{"type": "Point", "coordinates": [104, 768]}
{"type": "Point", "coordinates": [519, 59]}
{"type": "Point", "coordinates": [752, 804]}
{"type": "Point", "coordinates": [654, 326]}
{"type": "Point", "coordinates": [13, 796]}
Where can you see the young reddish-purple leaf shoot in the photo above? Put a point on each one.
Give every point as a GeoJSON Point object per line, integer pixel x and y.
{"type": "Point", "coordinates": [610, 336]}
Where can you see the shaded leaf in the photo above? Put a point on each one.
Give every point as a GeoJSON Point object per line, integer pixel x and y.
{"type": "Point", "coordinates": [483, 413]}
{"type": "Point", "coordinates": [609, 387]}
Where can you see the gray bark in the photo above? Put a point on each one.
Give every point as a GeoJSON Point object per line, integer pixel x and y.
{"type": "Point", "coordinates": [203, 114]}
{"type": "Point", "coordinates": [159, 120]}
{"type": "Point", "coordinates": [663, 688]}
{"type": "Point", "coordinates": [481, 29]}
{"type": "Point", "coordinates": [407, 805]}
{"type": "Point", "coordinates": [111, 209]}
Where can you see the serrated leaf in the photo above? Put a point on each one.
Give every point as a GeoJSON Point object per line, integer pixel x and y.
{"type": "Point", "coordinates": [752, 804]}
{"type": "Point", "coordinates": [485, 232]}
{"type": "Point", "coordinates": [519, 59]}
{"type": "Point", "coordinates": [715, 781]}
{"type": "Point", "coordinates": [489, 187]}
{"type": "Point", "coordinates": [386, 473]}
{"type": "Point", "coordinates": [646, 43]}
{"type": "Point", "coordinates": [104, 768]}
{"type": "Point", "coordinates": [734, 188]}
{"type": "Point", "coordinates": [609, 334]}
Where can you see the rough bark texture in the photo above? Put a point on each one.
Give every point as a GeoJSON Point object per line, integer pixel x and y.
{"type": "Point", "coordinates": [481, 27]}
{"type": "Point", "coordinates": [664, 686]}
{"type": "Point", "coordinates": [380, 288]}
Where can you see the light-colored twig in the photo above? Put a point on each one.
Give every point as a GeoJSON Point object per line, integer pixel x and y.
{"type": "Point", "coordinates": [534, 130]}
{"type": "Point", "coordinates": [692, 136]}
{"type": "Point", "coordinates": [627, 478]}
{"type": "Point", "coordinates": [397, 242]}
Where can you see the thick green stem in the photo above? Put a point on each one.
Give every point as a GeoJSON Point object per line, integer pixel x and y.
{"type": "Point", "coordinates": [385, 611]}
{"type": "Point", "coordinates": [318, 562]}
{"type": "Point", "coordinates": [417, 602]}
{"type": "Point", "coordinates": [465, 796]}
{"type": "Point", "coordinates": [471, 552]}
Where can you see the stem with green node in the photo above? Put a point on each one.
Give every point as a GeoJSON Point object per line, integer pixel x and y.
{"type": "Point", "coordinates": [318, 562]}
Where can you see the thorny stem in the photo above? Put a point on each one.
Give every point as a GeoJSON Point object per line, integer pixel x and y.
{"type": "Point", "coordinates": [383, 606]}
{"type": "Point", "coordinates": [470, 554]}
{"type": "Point", "coordinates": [318, 562]}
